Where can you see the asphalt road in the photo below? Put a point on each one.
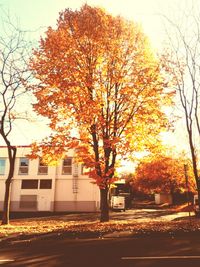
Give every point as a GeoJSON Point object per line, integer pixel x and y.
{"type": "Point", "coordinates": [157, 251]}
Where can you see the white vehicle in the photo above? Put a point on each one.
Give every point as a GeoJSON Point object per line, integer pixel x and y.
{"type": "Point", "coordinates": [118, 203]}
{"type": "Point", "coordinates": [196, 204]}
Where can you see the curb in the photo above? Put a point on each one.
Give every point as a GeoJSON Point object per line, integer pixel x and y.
{"type": "Point", "coordinates": [17, 238]}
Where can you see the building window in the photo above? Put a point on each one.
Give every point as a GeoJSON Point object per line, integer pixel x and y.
{"type": "Point", "coordinates": [28, 202]}
{"type": "Point", "coordinates": [29, 184]}
{"type": "Point", "coordinates": [84, 170]}
{"type": "Point", "coordinates": [2, 166]}
{"type": "Point", "coordinates": [45, 184]}
{"type": "Point", "coordinates": [23, 166]}
{"type": "Point", "coordinates": [67, 166]}
{"type": "Point", "coordinates": [43, 168]}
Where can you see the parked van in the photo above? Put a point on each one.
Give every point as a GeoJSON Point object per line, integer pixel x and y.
{"type": "Point", "coordinates": [118, 203]}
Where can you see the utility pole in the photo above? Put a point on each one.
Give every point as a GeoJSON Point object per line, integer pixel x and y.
{"type": "Point", "coordinates": [187, 186]}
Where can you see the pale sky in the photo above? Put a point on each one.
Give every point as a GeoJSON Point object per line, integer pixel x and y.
{"type": "Point", "coordinates": [36, 15]}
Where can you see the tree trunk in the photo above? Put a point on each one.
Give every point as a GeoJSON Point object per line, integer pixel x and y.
{"type": "Point", "coordinates": [194, 164]}
{"type": "Point", "coordinates": [6, 209]}
{"type": "Point", "coordinates": [104, 206]}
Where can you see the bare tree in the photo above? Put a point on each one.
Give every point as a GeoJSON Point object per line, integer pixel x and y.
{"type": "Point", "coordinates": [184, 63]}
{"type": "Point", "coordinates": [13, 76]}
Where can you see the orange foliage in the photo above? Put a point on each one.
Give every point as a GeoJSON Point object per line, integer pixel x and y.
{"type": "Point", "coordinates": [163, 174]}
{"type": "Point", "coordinates": [96, 73]}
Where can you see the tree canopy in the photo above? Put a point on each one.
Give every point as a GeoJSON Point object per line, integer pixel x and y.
{"type": "Point", "coordinates": [96, 73]}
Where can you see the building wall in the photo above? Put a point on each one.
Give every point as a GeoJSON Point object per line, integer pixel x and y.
{"type": "Point", "coordinates": [163, 198]}
{"type": "Point", "coordinates": [68, 192]}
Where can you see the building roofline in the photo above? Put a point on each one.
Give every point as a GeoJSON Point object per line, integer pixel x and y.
{"type": "Point", "coordinates": [17, 146]}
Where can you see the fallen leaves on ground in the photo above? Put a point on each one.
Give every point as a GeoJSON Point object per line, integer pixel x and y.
{"type": "Point", "coordinates": [42, 226]}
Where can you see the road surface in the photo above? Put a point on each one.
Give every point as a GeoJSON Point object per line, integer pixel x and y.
{"type": "Point", "coordinates": [154, 251]}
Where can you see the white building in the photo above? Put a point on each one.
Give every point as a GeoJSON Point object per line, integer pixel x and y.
{"type": "Point", "coordinates": [37, 187]}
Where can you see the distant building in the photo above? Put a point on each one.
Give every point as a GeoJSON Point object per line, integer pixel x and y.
{"type": "Point", "coordinates": [38, 187]}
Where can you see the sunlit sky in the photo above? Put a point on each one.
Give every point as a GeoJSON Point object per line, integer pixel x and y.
{"type": "Point", "coordinates": [36, 15]}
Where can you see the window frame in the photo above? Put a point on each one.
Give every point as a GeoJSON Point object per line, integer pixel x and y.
{"type": "Point", "coordinates": [45, 180]}
{"type": "Point", "coordinates": [67, 166]}
{"type": "Point", "coordinates": [23, 204]}
{"type": "Point", "coordinates": [4, 170]}
{"type": "Point", "coordinates": [43, 166]}
{"type": "Point", "coordinates": [23, 167]}
{"type": "Point", "coordinates": [84, 169]}
{"type": "Point", "coordinates": [25, 181]}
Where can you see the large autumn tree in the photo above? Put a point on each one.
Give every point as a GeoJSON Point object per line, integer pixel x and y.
{"type": "Point", "coordinates": [96, 73]}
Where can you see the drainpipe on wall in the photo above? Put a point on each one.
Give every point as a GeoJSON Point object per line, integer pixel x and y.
{"type": "Point", "coordinates": [55, 179]}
